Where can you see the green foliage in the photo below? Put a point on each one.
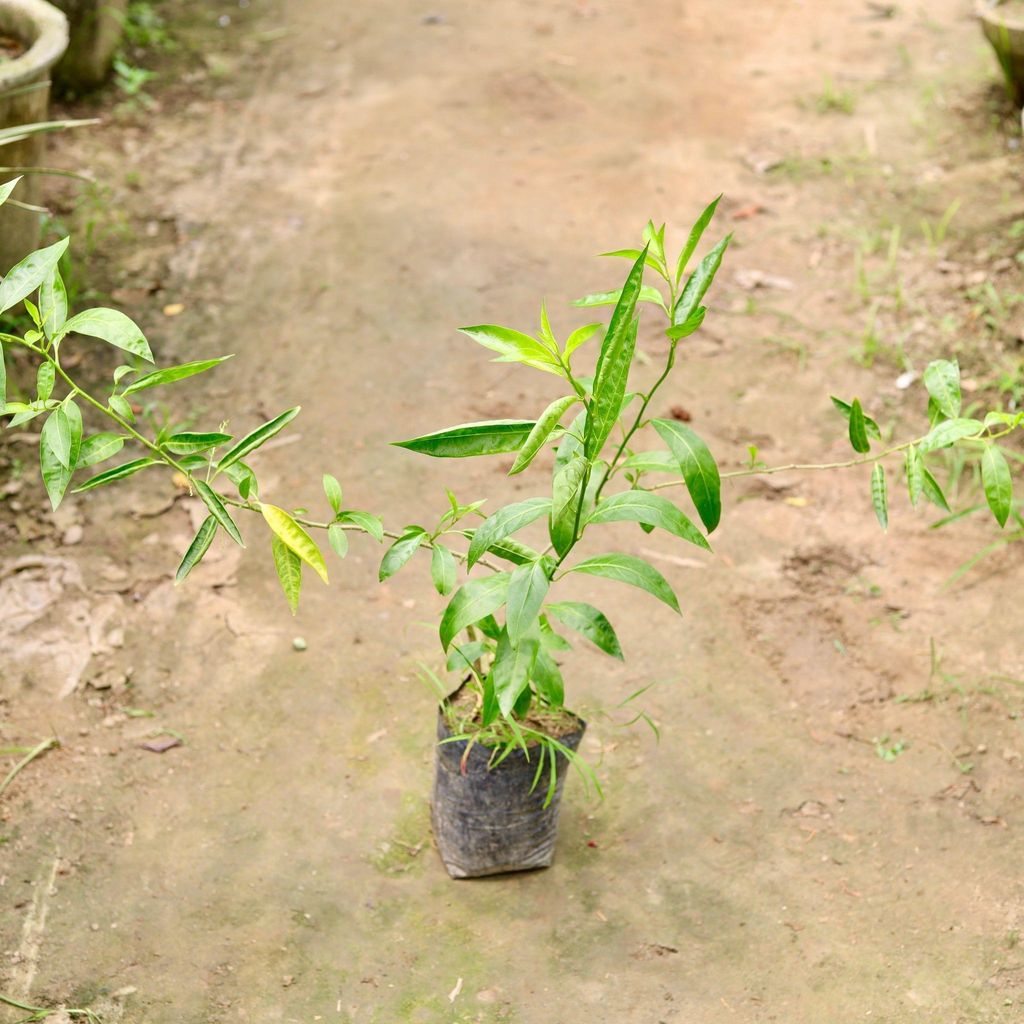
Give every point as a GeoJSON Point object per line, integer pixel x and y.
{"type": "Point", "coordinates": [501, 594]}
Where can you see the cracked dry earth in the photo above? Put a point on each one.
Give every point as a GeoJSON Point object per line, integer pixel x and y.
{"type": "Point", "coordinates": [830, 827]}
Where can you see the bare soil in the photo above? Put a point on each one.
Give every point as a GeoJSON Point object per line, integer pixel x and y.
{"type": "Point", "coordinates": [830, 827]}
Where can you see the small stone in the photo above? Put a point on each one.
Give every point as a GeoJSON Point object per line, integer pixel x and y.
{"type": "Point", "coordinates": [299, 644]}
{"type": "Point", "coordinates": [72, 535]}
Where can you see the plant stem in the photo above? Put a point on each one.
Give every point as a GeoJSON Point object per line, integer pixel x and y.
{"type": "Point", "coordinates": [37, 751]}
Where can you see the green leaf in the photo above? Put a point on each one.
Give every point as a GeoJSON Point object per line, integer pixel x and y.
{"type": "Point", "coordinates": [647, 293]}
{"type": "Point", "coordinates": [948, 432]}
{"type": "Point", "coordinates": [590, 623]}
{"type": "Point", "coordinates": [541, 431]}
{"type": "Point", "coordinates": [56, 475]}
{"type": "Point", "coordinates": [7, 188]}
{"type": "Point", "coordinates": [63, 434]}
{"type": "Point", "coordinates": [401, 551]}
{"type": "Point", "coordinates": [548, 679]}
{"type": "Point", "coordinates": [526, 592]}
{"type": "Point", "coordinates": [503, 523]}
{"type": "Point", "coordinates": [942, 379]}
{"type": "Point", "coordinates": [915, 474]}
{"type": "Point", "coordinates": [549, 639]}
{"type": "Point", "coordinates": [289, 571]}
{"type": "Point", "coordinates": [111, 326]}
{"type": "Point", "coordinates": [200, 545]}
{"type": "Point", "coordinates": [491, 437]}
{"type": "Point", "coordinates": [442, 569]}
{"type": "Point", "coordinates": [634, 571]}
{"type": "Point", "coordinates": [26, 276]}
{"type": "Point", "coordinates": [126, 469]}
{"type": "Point", "coordinates": [53, 302]}
{"type": "Point", "coordinates": [651, 509]}
{"type": "Point", "coordinates": [213, 501]}
{"type": "Point", "coordinates": [932, 490]}
{"type": "Point", "coordinates": [858, 428]}
{"type": "Point", "coordinates": [579, 337]}
{"type": "Point", "coordinates": [121, 406]}
{"type": "Point", "coordinates": [45, 377]}
{"type": "Point", "coordinates": [472, 602]}
{"type": "Point", "coordinates": [338, 539]}
{"type": "Point", "coordinates": [879, 495]}
{"type": "Point", "coordinates": [567, 493]}
{"type": "Point", "coordinates": [513, 664]}
{"type": "Point", "coordinates": [699, 282]}
{"type": "Point", "coordinates": [514, 347]}
{"type": "Point", "coordinates": [696, 232]}
{"type": "Point", "coordinates": [690, 325]}
{"type": "Point", "coordinates": [257, 437]}
{"type": "Point", "coordinates": [366, 522]}
{"type": "Point", "coordinates": [122, 371]}
{"type": "Point", "coordinates": [652, 462]}
{"type": "Point", "coordinates": [512, 551]}
{"type": "Point", "coordinates": [699, 469]}
{"type": "Point", "coordinates": [871, 428]}
{"type": "Point", "coordinates": [333, 491]}
{"type": "Point", "coordinates": [173, 373]}
{"type": "Point", "coordinates": [188, 443]}
{"type": "Point", "coordinates": [998, 484]}
{"type": "Point", "coordinates": [295, 537]}
{"type": "Point", "coordinates": [613, 365]}
{"type": "Point", "coordinates": [462, 656]}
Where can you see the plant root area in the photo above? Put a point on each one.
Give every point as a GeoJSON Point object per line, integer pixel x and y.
{"type": "Point", "coordinates": [234, 826]}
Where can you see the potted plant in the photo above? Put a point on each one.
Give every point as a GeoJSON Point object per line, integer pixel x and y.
{"type": "Point", "coordinates": [95, 28]}
{"type": "Point", "coordinates": [1002, 22]}
{"type": "Point", "coordinates": [506, 735]}
{"type": "Point", "coordinates": [33, 37]}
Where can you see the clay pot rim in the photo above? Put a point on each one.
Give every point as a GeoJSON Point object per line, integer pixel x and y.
{"type": "Point", "coordinates": [988, 12]}
{"type": "Point", "coordinates": [47, 48]}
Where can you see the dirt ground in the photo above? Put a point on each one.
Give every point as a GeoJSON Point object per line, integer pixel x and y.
{"type": "Point", "coordinates": [830, 827]}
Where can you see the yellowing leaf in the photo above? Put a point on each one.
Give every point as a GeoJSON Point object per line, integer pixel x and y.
{"type": "Point", "coordinates": [295, 538]}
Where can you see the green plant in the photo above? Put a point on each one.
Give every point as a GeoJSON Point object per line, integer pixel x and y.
{"type": "Point", "coordinates": [499, 629]}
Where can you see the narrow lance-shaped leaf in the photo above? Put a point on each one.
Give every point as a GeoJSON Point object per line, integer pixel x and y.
{"type": "Point", "coordinates": [190, 443]}
{"type": "Point", "coordinates": [634, 571]}
{"type": "Point", "coordinates": [948, 432]}
{"type": "Point", "coordinates": [126, 469]}
{"type": "Point", "coordinates": [332, 489]}
{"type": "Point", "coordinates": [172, 374]}
{"type": "Point", "coordinates": [200, 545]}
{"type": "Point", "coordinates": [56, 475]}
{"type": "Point", "coordinates": [442, 569]}
{"type": "Point", "coordinates": [696, 232]}
{"type": "Point", "coordinates": [492, 437]}
{"type": "Point", "coordinates": [296, 538]}
{"type": "Point", "coordinates": [649, 509]}
{"type": "Point", "coordinates": [512, 666]}
{"type": "Point", "coordinates": [503, 523]}
{"type": "Point", "coordinates": [45, 377]}
{"type": "Point", "coordinates": [472, 602]}
{"type": "Point", "coordinates": [699, 469]}
{"type": "Point", "coordinates": [7, 188]}
{"type": "Point", "coordinates": [338, 539]}
{"type": "Point", "coordinates": [401, 551]}
{"type": "Point", "coordinates": [613, 364]}
{"type": "Point", "coordinates": [589, 622]}
{"type": "Point", "coordinates": [213, 501]}
{"type": "Point", "coordinates": [514, 347]}
{"type": "Point", "coordinates": [366, 521]}
{"type": "Point", "coordinates": [541, 431]}
{"type": "Point", "coordinates": [880, 495]}
{"type": "Point", "coordinates": [579, 337]}
{"type": "Point", "coordinates": [997, 482]}
{"type": "Point", "coordinates": [26, 276]}
{"type": "Point", "coordinates": [526, 592]}
{"type": "Point", "coordinates": [915, 474]}
{"type": "Point", "coordinates": [257, 437]}
{"type": "Point", "coordinates": [858, 428]}
{"type": "Point", "coordinates": [942, 379]}
{"type": "Point", "coordinates": [647, 293]}
{"type": "Point", "coordinates": [567, 493]}
{"type": "Point", "coordinates": [699, 282]}
{"type": "Point", "coordinates": [53, 302]}
{"type": "Point", "coordinates": [289, 571]}
{"type": "Point", "coordinates": [931, 489]}
{"type": "Point", "coordinates": [111, 326]}
{"type": "Point", "coordinates": [870, 426]}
